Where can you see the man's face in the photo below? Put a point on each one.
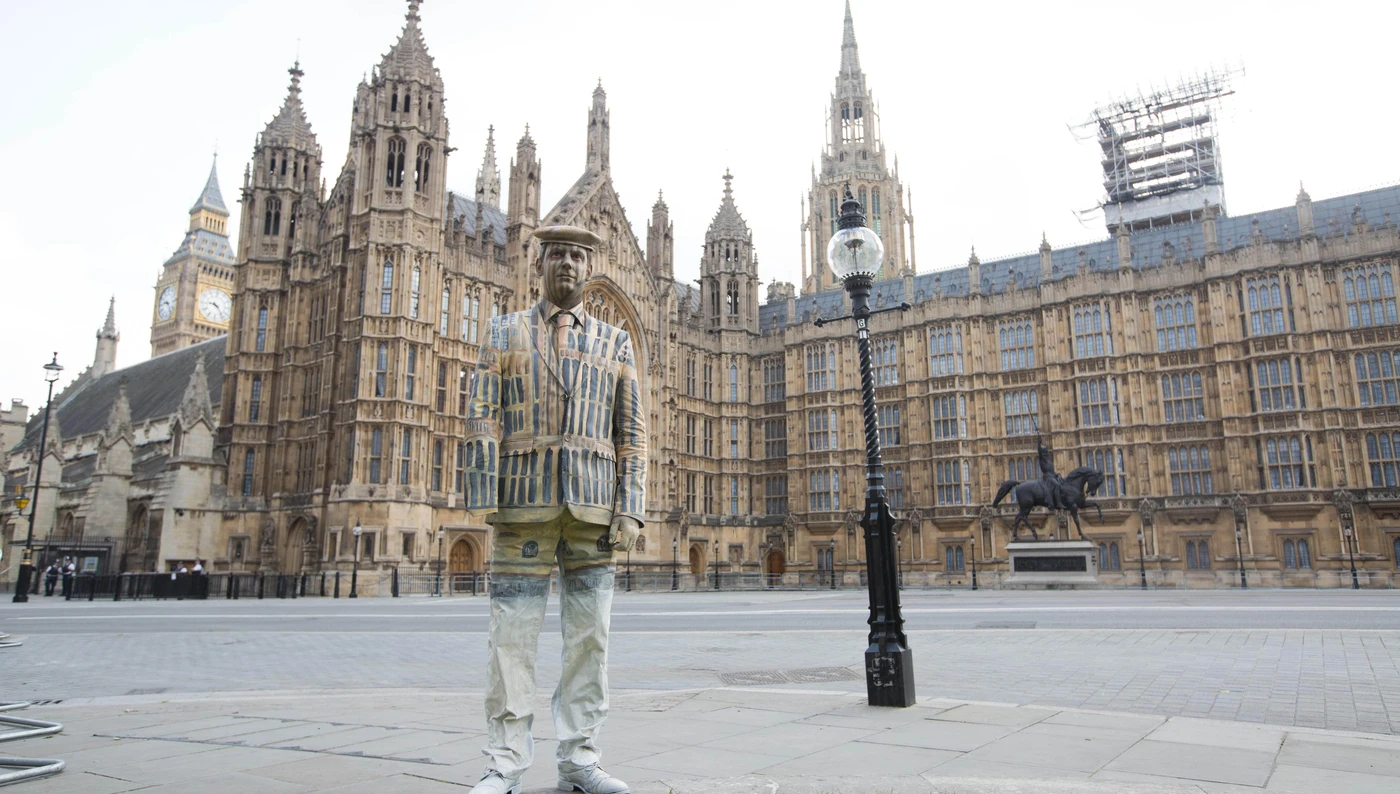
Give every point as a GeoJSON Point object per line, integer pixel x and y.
{"type": "Point", "coordinates": [564, 266]}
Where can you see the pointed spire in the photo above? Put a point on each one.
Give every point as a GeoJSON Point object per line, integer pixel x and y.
{"type": "Point", "coordinates": [973, 260]}
{"type": "Point", "coordinates": [488, 179]}
{"type": "Point", "coordinates": [850, 56]}
{"type": "Point", "coordinates": [728, 223]}
{"type": "Point", "coordinates": [290, 127]}
{"type": "Point", "coordinates": [194, 406]}
{"type": "Point", "coordinates": [119, 418]}
{"type": "Point", "coordinates": [409, 55]}
{"type": "Point", "coordinates": [53, 444]}
{"type": "Point", "coordinates": [1302, 194]}
{"type": "Point", "coordinates": [109, 328]}
{"type": "Point", "coordinates": [210, 198]}
{"type": "Point", "coordinates": [598, 126]}
{"type": "Point", "coordinates": [1044, 242]}
{"type": "Point", "coordinates": [660, 204]}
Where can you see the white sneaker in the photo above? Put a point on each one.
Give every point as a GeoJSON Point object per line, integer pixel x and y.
{"type": "Point", "coordinates": [494, 782]}
{"type": "Point", "coordinates": [591, 780]}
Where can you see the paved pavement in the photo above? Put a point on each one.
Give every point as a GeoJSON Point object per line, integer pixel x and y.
{"type": "Point", "coordinates": [714, 741]}
{"type": "Point", "coordinates": [1305, 658]}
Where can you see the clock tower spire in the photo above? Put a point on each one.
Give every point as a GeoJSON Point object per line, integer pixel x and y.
{"type": "Point", "coordinates": [192, 292]}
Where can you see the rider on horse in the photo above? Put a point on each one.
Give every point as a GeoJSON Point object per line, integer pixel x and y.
{"type": "Point", "coordinates": [1052, 480]}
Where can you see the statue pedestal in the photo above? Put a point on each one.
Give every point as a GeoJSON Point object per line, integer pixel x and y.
{"type": "Point", "coordinates": [1052, 565]}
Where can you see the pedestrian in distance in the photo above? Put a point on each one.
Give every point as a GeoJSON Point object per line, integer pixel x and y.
{"type": "Point", "coordinates": [69, 569]}
{"type": "Point", "coordinates": [51, 578]}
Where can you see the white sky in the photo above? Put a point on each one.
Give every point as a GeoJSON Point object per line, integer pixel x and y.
{"type": "Point", "coordinates": [113, 110]}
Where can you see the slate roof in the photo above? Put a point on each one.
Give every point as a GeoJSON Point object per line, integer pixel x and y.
{"type": "Point", "coordinates": [206, 244]}
{"type": "Point", "coordinates": [689, 294]}
{"type": "Point", "coordinates": [154, 387]}
{"type": "Point", "coordinates": [1332, 217]}
{"type": "Point", "coordinates": [465, 208]}
{"type": "Point", "coordinates": [210, 197]}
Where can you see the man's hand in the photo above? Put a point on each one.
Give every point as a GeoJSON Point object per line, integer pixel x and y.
{"type": "Point", "coordinates": [624, 532]}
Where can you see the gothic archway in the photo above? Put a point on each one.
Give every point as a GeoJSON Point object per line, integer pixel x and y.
{"type": "Point", "coordinates": [294, 546]}
{"type": "Point", "coordinates": [603, 299]}
{"type": "Point", "coordinates": [775, 566]}
{"type": "Point", "coordinates": [697, 561]}
{"type": "Point", "coordinates": [461, 561]}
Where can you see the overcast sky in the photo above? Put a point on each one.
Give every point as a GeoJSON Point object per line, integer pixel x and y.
{"type": "Point", "coordinates": [115, 109]}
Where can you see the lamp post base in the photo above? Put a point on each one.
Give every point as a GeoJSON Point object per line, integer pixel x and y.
{"type": "Point", "coordinates": [889, 677]}
{"type": "Point", "coordinates": [26, 572]}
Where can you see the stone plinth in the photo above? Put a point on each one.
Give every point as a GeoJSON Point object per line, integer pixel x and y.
{"type": "Point", "coordinates": [1052, 564]}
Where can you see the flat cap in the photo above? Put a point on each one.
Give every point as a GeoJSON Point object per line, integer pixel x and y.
{"type": "Point", "coordinates": [568, 234]}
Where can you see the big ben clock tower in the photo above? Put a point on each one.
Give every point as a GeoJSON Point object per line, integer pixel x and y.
{"type": "Point", "coordinates": [192, 300]}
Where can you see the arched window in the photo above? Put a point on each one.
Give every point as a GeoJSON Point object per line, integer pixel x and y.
{"type": "Point", "coordinates": [420, 168]}
{"type": "Point", "coordinates": [858, 124]}
{"type": "Point", "coordinates": [255, 399]}
{"type": "Point", "coordinates": [731, 300]}
{"type": "Point", "coordinates": [734, 383]}
{"type": "Point", "coordinates": [443, 311]}
{"type": "Point", "coordinates": [1395, 549]}
{"type": "Point", "coordinates": [1113, 560]}
{"type": "Point", "coordinates": [860, 196]}
{"type": "Point", "coordinates": [407, 99]}
{"type": "Point", "coordinates": [393, 173]}
{"type": "Point", "coordinates": [846, 133]}
{"type": "Point", "coordinates": [386, 289]}
{"type": "Point", "coordinates": [394, 103]}
{"type": "Point", "coordinates": [413, 284]}
{"type": "Point", "coordinates": [249, 460]}
{"type": "Point", "coordinates": [260, 344]}
{"type": "Point", "coordinates": [835, 212]}
{"type": "Point", "coordinates": [292, 221]}
{"type": "Point", "coordinates": [1304, 558]}
{"type": "Point", "coordinates": [875, 214]}
{"type": "Point", "coordinates": [272, 216]}
{"type": "Point", "coordinates": [1191, 563]}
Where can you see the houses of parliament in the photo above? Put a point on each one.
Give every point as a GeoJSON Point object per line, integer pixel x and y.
{"type": "Point", "coordinates": [1236, 378]}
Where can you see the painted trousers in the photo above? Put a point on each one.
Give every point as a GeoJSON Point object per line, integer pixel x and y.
{"type": "Point", "coordinates": [522, 556]}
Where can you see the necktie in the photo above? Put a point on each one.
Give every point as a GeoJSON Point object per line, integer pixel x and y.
{"type": "Point", "coordinates": [564, 321]}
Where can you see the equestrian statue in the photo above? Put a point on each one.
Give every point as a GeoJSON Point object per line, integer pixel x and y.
{"type": "Point", "coordinates": [1052, 492]}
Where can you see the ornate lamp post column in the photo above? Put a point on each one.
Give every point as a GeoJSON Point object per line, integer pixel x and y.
{"type": "Point", "coordinates": [26, 567]}
{"type": "Point", "coordinates": [972, 544]}
{"type": "Point", "coordinates": [855, 254]}
{"type": "Point", "coordinates": [437, 584]}
{"type": "Point", "coordinates": [1142, 560]}
{"type": "Point", "coordinates": [1239, 555]}
{"type": "Point", "coordinates": [675, 582]}
{"type": "Point", "coordinates": [715, 556]}
{"type": "Point", "coordinates": [1351, 550]}
{"type": "Point", "coordinates": [355, 566]}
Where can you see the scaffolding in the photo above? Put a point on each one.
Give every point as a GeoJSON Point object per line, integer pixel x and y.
{"type": "Point", "coordinates": [1161, 161]}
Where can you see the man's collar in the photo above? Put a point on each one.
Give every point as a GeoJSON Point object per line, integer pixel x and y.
{"type": "Point", "coordinates": [548, 311]}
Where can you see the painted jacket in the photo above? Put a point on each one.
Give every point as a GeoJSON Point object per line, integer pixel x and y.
{"type": "Point", "coordinates": [546, 432]}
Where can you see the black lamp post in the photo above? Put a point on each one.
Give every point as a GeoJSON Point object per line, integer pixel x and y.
{"type": "Point", "coordinates": [716, 562]}
{"type": "Point", "coordinates": [1239, 555]}
{"type": "Point", "coordinates": [1142, 560]}
{"type": "Point", "coordinates": [629, 570]}
{"type": "Point", "coordinates": [26, 567]}
{"type": "Point", "coordinates": [355, 566]}
{"type": "Point", "coordinates": [972, 544]}
{"type": "Point", "coordinates": [1351, 551]}
{"type": "Point", "coordinates": [675, 582]}
{"type": "Point", "coordinates": [855, 254]}
{"type": "Point", "coordinates": [437, 585]}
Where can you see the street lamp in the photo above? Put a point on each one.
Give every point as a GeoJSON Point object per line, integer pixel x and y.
{"type": "Point", "coordinates": [437, 585]}
{"type": "Point", "coordinates": [855, 253]}
{"type": "Point", "coordinates": [355, 567]}
{"type": "Point", "coordinates": [1351, 551]}
{"type": "Point", "coordinates": [1239, 555]}
{"type": "Point", "coordinates": [972, 542]}
{"type": "Point", "coordinates": [715, 557]}
{"type": "Point", "coordinates": [675, 544]}
{"type": "Point", "coordinates": [26, 567]}
{"type": "Point", "coordinates": [1142, 560]}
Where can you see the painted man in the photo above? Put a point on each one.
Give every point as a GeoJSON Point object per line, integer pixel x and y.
{"type": "Point", "coordinates": [556, 454]}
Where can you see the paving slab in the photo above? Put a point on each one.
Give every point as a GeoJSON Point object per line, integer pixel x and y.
{"type": "Point", "coordinates": [1058, 746]}
{"type": "Point", "coordinates": [1288, 777]}
{"type": "Point", "coordinates": [958, 736]}
{"type": "Point", "coordinates": [1012, 716]}
{"type": "Point", "coordinates": [1215, 733]}
{"type": "Point", "coordinates": [1221, 764]}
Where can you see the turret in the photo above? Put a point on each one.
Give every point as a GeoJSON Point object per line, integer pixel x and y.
{"type": "Point", "coordinates": [660, 240]}
{"type": "Point", "coordinates": [598, 130]}
{"type": "Point", "coordinates": [488, 179]}
{"type": "Point", "coordinates": [104, 360]}
{"type": "Point", "coordinates": [729, 269]}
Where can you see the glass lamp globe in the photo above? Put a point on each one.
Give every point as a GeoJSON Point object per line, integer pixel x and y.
{"type": "Point", "coordinates": [855, 252]}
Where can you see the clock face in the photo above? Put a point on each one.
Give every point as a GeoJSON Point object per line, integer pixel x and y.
{"type": "Point", "coordinates": [214, 304]}
{"type": "Point", "coordinates": [165, 306]}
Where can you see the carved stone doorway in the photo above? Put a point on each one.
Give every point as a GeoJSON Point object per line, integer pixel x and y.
{"type": "Point", "coordinates": [460, 562]}
{"type": "Point", "coordinates": [775, 566]}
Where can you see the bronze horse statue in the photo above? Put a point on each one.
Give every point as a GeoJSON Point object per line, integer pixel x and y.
{"type": "Point", "coordinates": [1069, 493]}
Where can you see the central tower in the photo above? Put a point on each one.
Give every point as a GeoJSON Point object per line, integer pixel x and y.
{"type": "Point", "coordinates": [854, 154]}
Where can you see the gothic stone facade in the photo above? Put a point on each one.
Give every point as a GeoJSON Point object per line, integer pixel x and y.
{"type": "Point", "coordinates": [1233, 377]}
